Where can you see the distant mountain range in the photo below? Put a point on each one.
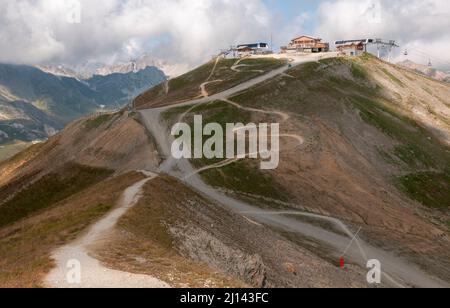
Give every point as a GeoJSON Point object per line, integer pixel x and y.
{"type": "Point", "coordinates": [170, 69]}
{"type": "Point", "coordinates": [35, 104]}
{"type": "Point", "coordinates": [426, 70]}
{"type": "Point", "coordinates": [63, 71]}
{"type": "Point", "coordinates": [366, 147]}
{"type": "Point", "coordinates": [88, 70]}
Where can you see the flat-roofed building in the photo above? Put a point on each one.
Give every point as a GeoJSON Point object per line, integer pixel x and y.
{"type": "Point", "coordinates": [252, 49]}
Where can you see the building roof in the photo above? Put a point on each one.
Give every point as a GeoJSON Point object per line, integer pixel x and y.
{"type": "Point", "coordinates": [253, 45]}
{"type": "Point", "coordinates": [351, 45]}
{"type": "Point", "coordinates": [245, 48]}
{"type": "Point", "coordinates": [307, 36]}
{"type": "Point", "coordinates": [346, 42]}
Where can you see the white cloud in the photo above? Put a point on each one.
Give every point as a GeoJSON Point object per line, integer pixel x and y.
{"type": "Point", "coordinates": [420, 26]}
{"type": "Point", "coordinates": [295, 27]}
{"type": "Point", "coordinates": [184, 30]}
{"type": "Point", "coordinates": [191, 31]}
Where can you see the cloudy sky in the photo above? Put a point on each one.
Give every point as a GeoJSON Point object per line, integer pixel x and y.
{"type": "Point", "coordinates": [191, 31]}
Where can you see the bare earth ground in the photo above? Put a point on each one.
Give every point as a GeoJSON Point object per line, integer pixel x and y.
{"type": "Point", "coordinates": [341, 162]}
{"type": "Point", "coordinates": [93, 274]}
{"type": "Point", "coordinates": [177, 235]}
{"type": "Point", "coordinates": [341, 174]}
{"type": "Point", "coordinates": [26, 246]}
{"type": "Point", "coordinates": [173, 224]}
{"type": "Point", "coordinates": [9, 150]}
{"type": "Point", "coordinates": [116, 142]}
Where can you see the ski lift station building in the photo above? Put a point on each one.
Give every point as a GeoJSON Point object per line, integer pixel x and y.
{"type": "Point", "coordinates": [252, 49]}
{"type": "Point", "coordinates": [353, 47]}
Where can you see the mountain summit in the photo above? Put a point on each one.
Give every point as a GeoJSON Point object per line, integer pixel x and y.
{"type": "Point", "coordinates": [363, 175]}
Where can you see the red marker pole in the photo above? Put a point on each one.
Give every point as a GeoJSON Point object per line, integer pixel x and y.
{"type": "Point", "coordinates": [342, 262]}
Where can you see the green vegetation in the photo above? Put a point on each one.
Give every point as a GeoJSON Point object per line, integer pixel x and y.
{"type": "Point", "coordinates": [24, 155]}
{"type": "Point", "coordinates": [413, 156]}
{"type": "Point", "coordinates": [49, 190]}
{"type": "Point", "coordinates": [315, 87]}
{"type": "Point", "coordinates": [172, 115]}
{"type": "Point", "coordinates": [230, 79]}
{"type": "Point", "coordinates": [195, 76]}
{"type": "Point", "coordinates": [367, 57]}
{"type": "Point", "coordinates": [431, 189]}
{"type": "Point", "coordinates": [393, 78]}
{"type": "Point", "coordinates": [242, 176]}
{"type": "Point", "coordinates": [245, 177]}
{"type": "Point", "coordinates": [187, 86]}
{"type": "Point", "coordinates": [266, 64]}
{"type": "Point", "coordinates": [42, 105]}
{"type": "Point", "coordinates": [146, 245]}
{"type": "Point", "coordinates": [359, 72]}
{"type": "Point", "coordinates": [98, 121]}
{"type": "Point", "coordinates": [216, 112]}
{"type": "Point", "coordinates": [9, 150]}
{"type": "Point", "coordinates": [25, 255]}
{"type": "Point", "coordinates": [222, 113]}
{"type": "Point", "coordinates": [25, 246]}
{"type": "Point", "coordinates": [417, 149]}
{"type": "Point", "coordinates": [182, 88]}
{"type": "Point", "coordinates": [322, 90]}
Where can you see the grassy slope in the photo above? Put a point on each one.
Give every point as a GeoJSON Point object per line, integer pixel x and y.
{"type": "Point", "coordinates": [25, 247]}
{"type": "Point", "coordinates": [98, 121]}
{"type": "Point", "coordinates": [113, 141]}
{"type": "Point", "coordinates": [323, 90]}
{"type": "Point", "coordinates": [49, 190]}
{"type": "Point", "coordinates": [243, 177]}
{"type": "Point", "coordinates": [13, 164]}
{"type": "Point", "coordinates": [187, 86]}
{"type": "Point", "coordinates": [319, 89]}
{"type": "Point", "coordinates": [337, 102]}
{"type": "Point", "coordinates": [39, 213]}
{"type": "Point", "coordinates": [144, 232]}
{"type": "Point", "coordinates": [9, 150]}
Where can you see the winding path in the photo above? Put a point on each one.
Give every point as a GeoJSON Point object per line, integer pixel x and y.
{"type": "Point", "coordinates": [92, 273]}
{"type": "Point", "coordinates": [283, 115]}
{"type": "Point", "coordinates": [235, 67]}
{"type": "Point", "coordinates": [204, 92]}
{"type": "Point", "coordinates": [397, 271]}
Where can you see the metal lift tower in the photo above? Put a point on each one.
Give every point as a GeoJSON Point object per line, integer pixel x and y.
{"type": "Point", "coordinates": [385, 46]}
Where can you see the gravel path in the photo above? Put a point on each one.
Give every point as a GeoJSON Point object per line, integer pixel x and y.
{"type": "Point", "coordinates": [397, 271]}
{"type": "Point", "coordinates": [93, 273]}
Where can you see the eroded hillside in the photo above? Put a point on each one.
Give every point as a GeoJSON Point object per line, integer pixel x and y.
{"type": "Point", "coordinates": [375, 153]}
{"type": "Point", "coordinates": [51, 192]}
{"type": "Point", "coordinates": [113, 141]}
{"type": "Point", "coordinates": [211, 78]}
{"type": "Point", "coordinates": [362, 142]}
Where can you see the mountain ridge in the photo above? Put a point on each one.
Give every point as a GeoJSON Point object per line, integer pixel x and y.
{"type": "Point", "coordinates": [371, 154]}
{"type": "Point", "coordinates": [35, 104]}
{"type": "Point", "coordinates": [89, 70]}
{"type": "Point", "coordinates": [426, 70]}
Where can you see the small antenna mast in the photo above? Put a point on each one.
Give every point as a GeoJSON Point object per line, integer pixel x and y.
{"type": "Point", "coordinates": [271, 42]}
